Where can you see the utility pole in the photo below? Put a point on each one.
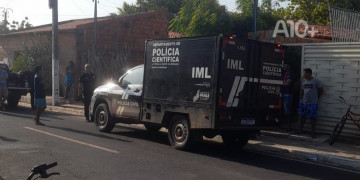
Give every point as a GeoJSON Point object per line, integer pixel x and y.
{"type": "Point", "coordinates": [53, 4]}
{"type": "Point", "coordinates": [5, 13]}
{"type": "Point", "coordinates": [255, 18]}
{"type": "Point", "coordinates": [95, 20]}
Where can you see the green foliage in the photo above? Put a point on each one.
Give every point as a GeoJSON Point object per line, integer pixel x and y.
{"type": "Point", "coordinates": [245, 6]}
{"type": "Point", "coordinates": [266, 16]}
{"type": "Point", "coordinates": [15, 25]}
{"type": "Point", "coordinates": [314, 11]}
{"type": "Point", "coordinates": [39, 53]}
{"type": "Point", "coordinates": [173, 6]}
{"type": "Point", "coordinates": [4, 27]}
{"type": "Point", "coordinates": [198, 18]}
{"type": "Point", "coordinates": [24, 24]}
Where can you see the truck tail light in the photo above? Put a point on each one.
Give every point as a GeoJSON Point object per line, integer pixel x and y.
{"type": "Point", "coordinates": [224, 117]}
{"type": "Point", "coordinates": [276, 106]}
{"type": "Point", "coordinates": [221, 103]}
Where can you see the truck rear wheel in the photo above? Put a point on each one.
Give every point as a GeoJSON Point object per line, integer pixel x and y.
{"type": "Point", "coordinates": [179, 133]}
{"type": "Point", "coordinates": [103, 119]}
{"type": "Point", "coordinates": [152, 127]}
{"type": "Point", "coordinates": [235, 140]}
{"type": "Point", "coordinates": [12, 101]}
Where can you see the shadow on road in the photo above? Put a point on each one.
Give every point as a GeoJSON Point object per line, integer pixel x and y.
{"type": "Point", "coordinates": [7, 139]}
{"type": "Point", "coordinates": [216, 150]}
{"type": "Point", "coordinates": [246, 157]}
{"type": "Point", "coordinates": [22, 112]}
{"type": "Point", "coordinates": [158, 137]}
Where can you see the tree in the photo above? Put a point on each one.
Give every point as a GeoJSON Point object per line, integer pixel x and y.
{"type": "Point", "coordinates": [266, 17]}
{"type": "Point", "coordinates": [24, 24]}
{"type": "Point", "coordinates": [314, 11]}
{"type": "Point", "coordinates": [197, 18]}
{"type": "Point", "coordinates": [173, 7]}
{"type": "Point", "coordinates": [15, 25]}
{"type": "Point", "coordinates": [4, 27]}
{"type": "Point", "coordinates": [38, 53]}
{"type": "Point", "coordinates": [245, 7]}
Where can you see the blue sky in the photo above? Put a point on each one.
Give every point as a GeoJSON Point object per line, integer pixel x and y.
{"type": "Point", "coordinates": [39, 13]}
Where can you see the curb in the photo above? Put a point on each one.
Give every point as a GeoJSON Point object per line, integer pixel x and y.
{"type": "Point", "coordinates": [315, 157]}
{"type": "Point", "coordinates": [58, 109]}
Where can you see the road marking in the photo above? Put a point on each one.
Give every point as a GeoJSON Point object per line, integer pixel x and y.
{"type": "Point", "coordinates": [73, 140]}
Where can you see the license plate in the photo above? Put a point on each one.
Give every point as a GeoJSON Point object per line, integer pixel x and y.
{"type": "Point", "coordinates": [247, 121]}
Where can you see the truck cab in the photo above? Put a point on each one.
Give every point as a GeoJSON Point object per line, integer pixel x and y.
{"type": "Point", "coordinates": [118, 102]}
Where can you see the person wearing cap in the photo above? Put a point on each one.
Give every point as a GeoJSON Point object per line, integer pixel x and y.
{"type": "Point", "coordinates": [39, 93]}
{"type": "Point", "coordinates": [86, 88]}
{"type": "Point", "coordinates": [3, 86]}
{"type": "Point", "coordinates": [308, 106]}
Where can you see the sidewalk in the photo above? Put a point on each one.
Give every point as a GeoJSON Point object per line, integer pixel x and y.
{"type": "Point", "coordinates": [301, 147]}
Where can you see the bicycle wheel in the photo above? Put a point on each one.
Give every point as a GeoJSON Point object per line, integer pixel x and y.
{"type": "Point", "coordinates": [337, 130]}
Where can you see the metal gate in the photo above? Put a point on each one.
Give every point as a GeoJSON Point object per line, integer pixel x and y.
{"type": "Point", "coordinates": [345, 25]}
{"type": "Point", "coordinates": [337, 66]}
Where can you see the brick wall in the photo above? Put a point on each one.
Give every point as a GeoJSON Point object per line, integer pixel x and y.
{"type": "Point", "coordinates": [120, 42]}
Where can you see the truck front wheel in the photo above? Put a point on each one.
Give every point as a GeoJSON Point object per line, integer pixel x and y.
{"type": "Point", "coordinates": [103, 119]}
{"type": "Point", "coordinates": [179, 133]}
{"type": "Point", "coordinates": [235, 140]}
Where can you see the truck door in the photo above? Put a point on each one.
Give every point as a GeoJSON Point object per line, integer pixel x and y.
{"type": "Point", "coordinates": [128, 105]}
{"type": "Point", "coordinates": [247, 91]}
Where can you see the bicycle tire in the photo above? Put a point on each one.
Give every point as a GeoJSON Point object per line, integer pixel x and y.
{"type": "Point", "coordinates": [337, 130]}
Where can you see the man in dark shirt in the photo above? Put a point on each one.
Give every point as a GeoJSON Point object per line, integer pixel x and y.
{"type": "Point", "coordinates": [86, 87]}
{"type": "Point", "coordinates": [39, 92]}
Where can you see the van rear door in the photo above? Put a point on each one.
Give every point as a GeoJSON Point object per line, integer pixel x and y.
{"type": "Point", "coordinates": [249, 84]}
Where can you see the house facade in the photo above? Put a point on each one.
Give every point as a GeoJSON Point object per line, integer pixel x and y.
{"type": "Point", "coordinates": [119, 38]}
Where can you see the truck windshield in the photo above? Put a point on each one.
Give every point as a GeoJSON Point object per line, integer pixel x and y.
{"type": "Point", "coordinates": [135, 76]}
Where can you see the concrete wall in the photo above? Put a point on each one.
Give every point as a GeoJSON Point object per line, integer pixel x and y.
{"type": "Point", "coordinates": [337, 66]}
{"type": "Point", "coordinates": [67, 53]}
{"type": "Point", "coordinates": [11, 44]}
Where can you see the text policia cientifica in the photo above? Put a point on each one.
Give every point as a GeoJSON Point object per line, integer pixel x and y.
{"type": "Point", "coordinates": [165, 55]}
{"type": "Point", "coordinates": [271, 71]}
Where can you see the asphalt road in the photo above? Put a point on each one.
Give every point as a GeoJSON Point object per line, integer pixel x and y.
{"type": "Point", "coordinates": [132, 153]}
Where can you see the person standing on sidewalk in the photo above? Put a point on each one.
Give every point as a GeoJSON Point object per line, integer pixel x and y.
{"type": "Point", "coordinates": [86, 87]}
{"type": "Point", "coordinates": [69, 79]}
{"type": "Point", "coordinates": [311, 92]}
{"type": "Point", "coordinates": [39, 93]}
{"type": "Point", "coordinates": [286, 93]}
{"type": "Point", "coordinates": [3, 86]}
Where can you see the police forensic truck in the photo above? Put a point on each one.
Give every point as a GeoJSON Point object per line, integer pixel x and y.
{"type": "Point", "coordinates": [195, 87]}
